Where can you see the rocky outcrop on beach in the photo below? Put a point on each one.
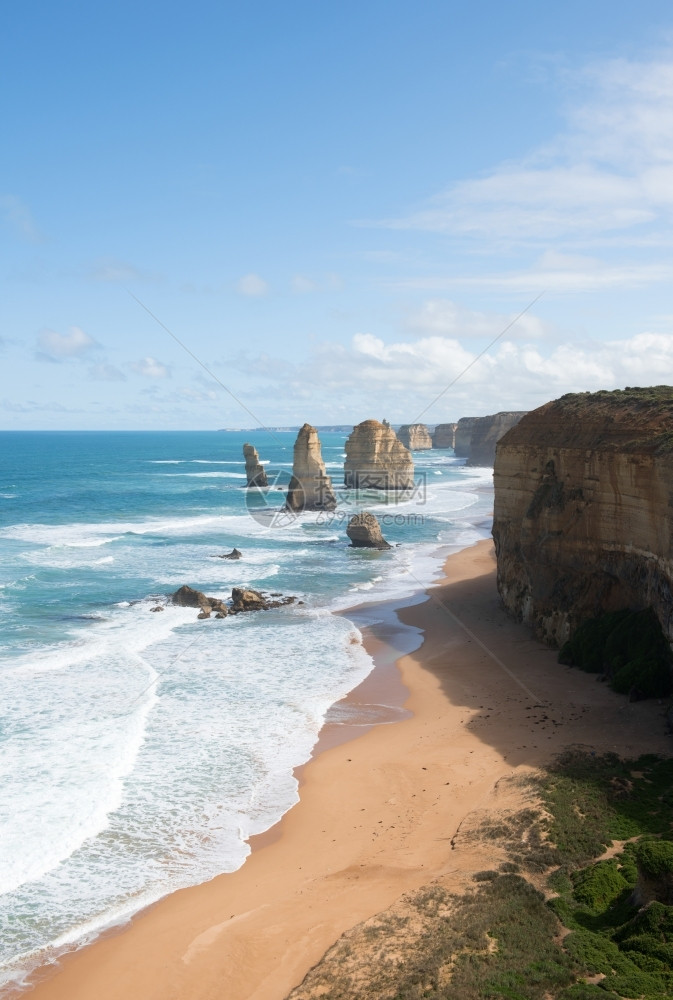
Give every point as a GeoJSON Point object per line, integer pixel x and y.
{"type": "Point", "coordinates": [377, 459]}
{"type": "Point", "coordinates": [310, 487]}
{"type": "Point", "coordinates": [242, 600]}
{"type": "Point", "coordinates": [444, 436]}
{"type": "Point", "coordinates": [415, 437]}
{"type": "Point", "coordinates": [583, 519]}
{"type": "Point", "coordinates": [486, 432]}
{"type": "Point", "coordinates": [364, 532]}
{"type": "Point", "coordinates": [254, 470]}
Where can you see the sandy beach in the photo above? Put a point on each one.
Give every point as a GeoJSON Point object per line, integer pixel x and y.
{"type": "Point", "coordinates": [379, 814]}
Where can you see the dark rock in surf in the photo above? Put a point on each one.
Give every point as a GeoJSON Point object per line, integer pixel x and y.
{"type": "Point", "coordinates": [364, 532]}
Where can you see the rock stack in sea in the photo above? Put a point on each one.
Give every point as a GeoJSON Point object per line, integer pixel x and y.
{"type": "Point", "coordinates": [415, 437]}
{"type": "Point", "coordinates": [364, 532]}
{"type": "Point", "coordinates": [253, 469]}
{"type": "Point", "coordinates": [583, 520]}
{"type": "Point", "coordinates": [377, 459]}
{"type": "Point", "coordinates": [310, 487]}
{"type": "Point", "coordinates": [444, 436]}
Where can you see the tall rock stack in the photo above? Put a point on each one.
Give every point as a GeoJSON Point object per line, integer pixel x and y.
{"type": "Point", "coordinates": [583, 521]}
{"type": "Point", "coordinates": [487, 431]}
{"type": "Point", "coordinates": [377, 459]}
{"type": "Point", "coordinates": [444, 436]}
{"type": "Point", "coordinates": [253, 469]}
{"type": "Point", "coordinates": [310, 487]}
{"type": "Point", "coordinates": [415, 437]}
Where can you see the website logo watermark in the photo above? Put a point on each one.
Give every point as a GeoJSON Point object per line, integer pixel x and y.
{"type": "Point", "coordinates": [333, 503]}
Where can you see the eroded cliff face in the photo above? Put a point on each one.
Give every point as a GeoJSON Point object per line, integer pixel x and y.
{"type": "Point", "coordinates": [583, 515]}
{"type": "Point", "coordinates": [415, 437]}
{"type": "Point", "coordinates": [310, 487]}
{"type": "Point", "coordinates": [377, 459]}
{"type": "Point", "coordinates": [463, 436]}
{"type": "Point", "coordinates": [444, 436]}
{"type": "Point", "coordinates": [487, 431]}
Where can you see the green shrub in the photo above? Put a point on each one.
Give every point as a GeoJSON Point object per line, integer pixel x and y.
{"type": "Point", "coordinates": [655, 858]}
{"type": "Point", "coordinates": [587, 991]}
{"type": "Point", "coordinates": [656, 920]}
{"type": "Point", "coordinates": [585, 649]}
{"type": "Point", "coordinates": [599, 885]}
{"type": "Point", "coordinates": [629, 646]}
{"type": "Point", "coordinates": [592, 951]}
{"type": "Point", "coordinates": [485, 876]}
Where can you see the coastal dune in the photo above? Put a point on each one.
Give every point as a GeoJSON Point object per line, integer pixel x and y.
{"type": "Point", "coordinates": [378, 815]}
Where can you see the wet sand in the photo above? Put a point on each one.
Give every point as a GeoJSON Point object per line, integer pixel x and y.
{"type": "Point", "coordinates": [377, 814]}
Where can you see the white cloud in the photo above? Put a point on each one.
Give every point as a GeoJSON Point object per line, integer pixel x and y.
{"type": "Point", "coordinates": [18, 216]}
{"type": "Point", "coordinates": [150, 368]}
{"type": "Point", "coordinates": [252, 285]}
{"type": "Point", "coordinates": [406, 379]}
{"type": "Point", "coordinates": [447, 318]}
{"type": "Point", "coordinates": [106, 373]}
{"type": "Point", "coordinates": [610, 171]}
{"type": "Point", "coordinates": [301, 284]}
{"type": "Point", "coordinates": [545, 278]}
{"type": "Point", "coordinates": [61, 346]}
{"type": "Point", "coordinates": [112, 270]}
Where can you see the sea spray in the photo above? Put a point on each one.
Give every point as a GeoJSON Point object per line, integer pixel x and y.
{"type": "Point", "coordinates": [142, 749]}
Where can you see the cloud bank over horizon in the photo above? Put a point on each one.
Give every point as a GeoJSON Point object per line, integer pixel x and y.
{"type": "Point", "coordinates": [329, 293]}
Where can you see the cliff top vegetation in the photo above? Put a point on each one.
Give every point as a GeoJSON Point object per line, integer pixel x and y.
{"type": "Point", "coordinates": [630, 419]}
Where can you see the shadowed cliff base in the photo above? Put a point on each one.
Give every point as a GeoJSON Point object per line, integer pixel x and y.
{"type": "Point", "coordinates": [583, 522]}
{"type": "Point", "coordinates": [380, 816]}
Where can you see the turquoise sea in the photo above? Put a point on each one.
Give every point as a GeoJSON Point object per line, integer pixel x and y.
{"type": "Point", "coordinates": [140, 750]}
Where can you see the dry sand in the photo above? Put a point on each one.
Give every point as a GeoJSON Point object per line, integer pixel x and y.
{"type": "Point", "coordinates": [377, 815]}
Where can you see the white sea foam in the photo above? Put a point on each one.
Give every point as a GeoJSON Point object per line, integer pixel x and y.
{"type": "Point", "coordinates": [154, 744]}
{"type": "Point", "coordinates": [204, 475]}
{"type": "Point", "coordinates": [203, 778]}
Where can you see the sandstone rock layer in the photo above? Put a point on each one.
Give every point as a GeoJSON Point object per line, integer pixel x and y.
{"type": "Point", "coordinates": [583, 518]}
{"type": "Point", "coordinates": [310, 487]}
{"type": "Point", "coordinates": [476, 437]}
{"type": "Point", "coordinates": [486, 432]}
{"type": "Point", "coordinates": [364, 532]}
{"type": "Point", "coordinates": [463, 436]}
{"type": "Point", "coordinates": [254, 471]}
{"type": "Point", "coordinates": [415, 437]}
{"type": "Point", "coordinates": [377, 459]}
{"type": "Point", "coordinates": [444, 436]}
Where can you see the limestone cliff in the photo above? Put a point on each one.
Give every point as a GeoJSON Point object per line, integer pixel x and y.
{"type": "Point", "coordinates": [253, 469]}
{"type": "Point", "coordinates": [444, 436]}
{"type": "Point", "coordinates": [463, 436]}
{"type": "Point", "coordinates": [310, 487]}
{"type": "Point", "coordinates": [486, 432]}
{"type": "Point", "coordinates": [583, 518]}
{"type": "Point", "coordinates": [377, 459]}
{"type": "Point", "coordinates": [415, 437]}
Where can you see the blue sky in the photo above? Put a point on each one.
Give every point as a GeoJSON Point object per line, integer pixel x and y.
{"type": "Point", "coordinates": [336, 207]}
